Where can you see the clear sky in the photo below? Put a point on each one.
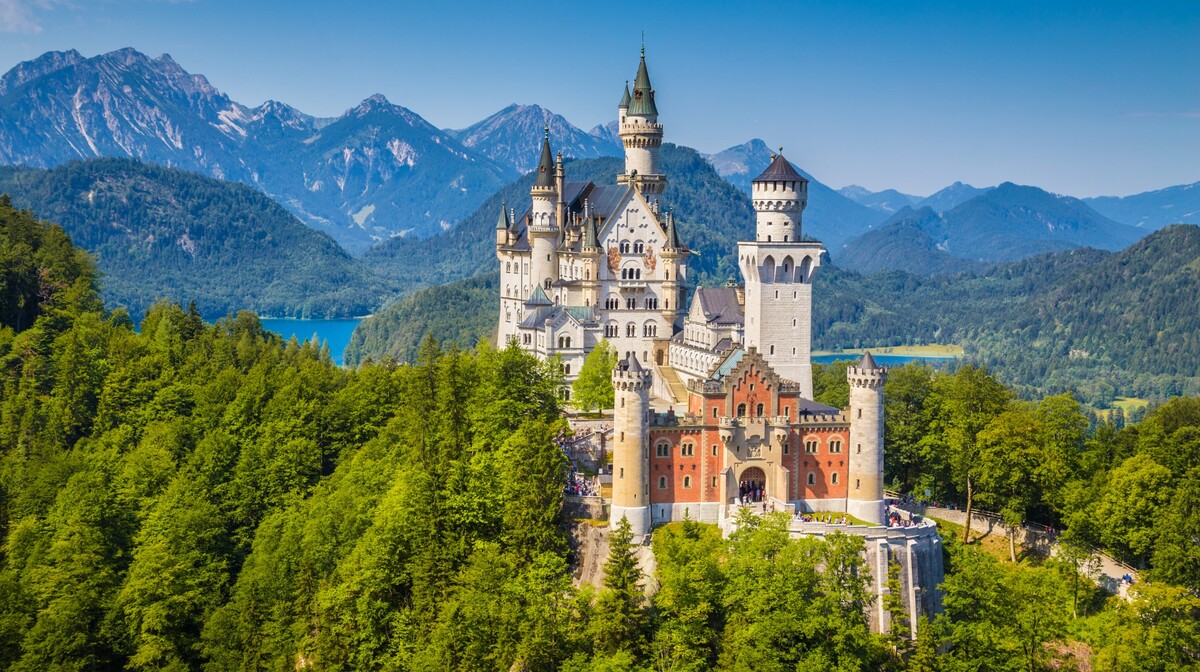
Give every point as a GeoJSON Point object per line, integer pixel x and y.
{"type": "Point", "coordinates": [1081, 98]}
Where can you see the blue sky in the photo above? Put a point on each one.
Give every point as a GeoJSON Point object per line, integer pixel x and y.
{"type": "Point", "coordinates": [1078, 98]}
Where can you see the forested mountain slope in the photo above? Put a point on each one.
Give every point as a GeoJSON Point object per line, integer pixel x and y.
{"type": "Point", "coordinates": [166, 233]}
{"type": "Point", "coordinates": [197, 496]}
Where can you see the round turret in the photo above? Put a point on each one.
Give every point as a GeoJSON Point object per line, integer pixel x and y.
{"type": "Point", "coordinates": [631, 485]}
{"type": "Point", "coordinates": [543, 219]}
{"type": "Point", "coordinates": [641, 134]}
{"type": "Point", "coordinates": [780, 195]}
{"type": "Point", "coordinates": [865, 494]}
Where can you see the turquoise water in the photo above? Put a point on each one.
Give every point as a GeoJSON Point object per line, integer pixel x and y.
{"type": "Point", "coordinates": [885, 360]}
{"type": "Point", "coordinates": [334, 332]}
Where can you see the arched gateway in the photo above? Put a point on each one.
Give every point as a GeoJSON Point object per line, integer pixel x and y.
{"type": "Point", "coordinates": [752, 485]}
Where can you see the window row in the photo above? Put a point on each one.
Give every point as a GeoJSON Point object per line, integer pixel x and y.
{"type": "Point", "coordinates": [811, 444]}
{"type": "Point", "coordinates": [613, 330]}
{"type": "Point", "coordinates": [812, 478]}
{"type": "Point", "coordinates": [614, 303]}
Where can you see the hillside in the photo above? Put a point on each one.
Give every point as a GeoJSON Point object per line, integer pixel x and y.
{"type": "Point", "coordinates": [1099, 323]}
{"type": "Point", "coordinates": [376, 171]}
{"type": "Point", "coordinates": [166, 233]}
{"type": "Point", "coordinates": [512, 137]}
{"type": "Point", "coordinates": [1007, 223]}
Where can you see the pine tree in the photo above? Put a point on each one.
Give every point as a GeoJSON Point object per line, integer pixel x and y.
{"type": "Point", "coordinates": [619, 623]}
{"type": "Point", "coordinates": [893, 603]}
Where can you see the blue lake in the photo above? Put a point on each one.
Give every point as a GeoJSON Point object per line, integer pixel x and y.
{"type": "Point", "coordinates": [334, 332]}
{"type": "Point", "coordinates": [885, 360]}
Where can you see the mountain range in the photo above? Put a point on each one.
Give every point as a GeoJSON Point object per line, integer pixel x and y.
{"type": "Point", "coordinates": [1007, 223]}
{"type": "Point", "coordinates": [1152, 210]}
{"type": "Point", "coordinates": [888, 200]}
{"type": "Point", "coordinates": [165, 233]}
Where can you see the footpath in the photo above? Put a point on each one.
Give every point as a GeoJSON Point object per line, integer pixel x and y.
{"type": "Point", "coordinates": [1104, 569]}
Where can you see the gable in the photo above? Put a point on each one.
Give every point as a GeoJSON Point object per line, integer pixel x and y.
{"type": "Point", "coordinates": [632, 219]}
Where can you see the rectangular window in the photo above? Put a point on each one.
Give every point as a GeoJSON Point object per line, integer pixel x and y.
{"type": "Point", "coordinates": [714, 481]}
{"type": "Point", "coordinates": [714, 450]}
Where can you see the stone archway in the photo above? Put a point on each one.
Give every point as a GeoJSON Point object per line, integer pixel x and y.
{"type": "Point", "coordinates": [752, 485]}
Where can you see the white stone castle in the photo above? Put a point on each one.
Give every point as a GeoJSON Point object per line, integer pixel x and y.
{"type": "Point", "coordinates": [713, 405]}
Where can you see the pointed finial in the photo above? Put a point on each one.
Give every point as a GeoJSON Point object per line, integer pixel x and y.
{"type": "Point", "coordinates": [781, 150]}
{"type": "Point", "coordinates": [547, 131]}
{"type": "Point", "coordinates": [643, 44]}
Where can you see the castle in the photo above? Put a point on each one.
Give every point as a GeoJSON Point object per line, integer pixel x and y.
{"type": "Point", "coordinates": [713, 405]}
{"type": "Point", "coordinates": [588, 262]}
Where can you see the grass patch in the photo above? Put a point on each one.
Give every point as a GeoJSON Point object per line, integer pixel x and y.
{"type": "Point", "coordinates": [993, 543]}
{"type": "Point", "coordinates": [928, 350]}
{"type": "Point", "coordinates": [1127, 405]}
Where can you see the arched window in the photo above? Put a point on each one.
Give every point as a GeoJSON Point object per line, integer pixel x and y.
{"type": "Point", "coordinates": [833, 478]}
{"type": "Point", "coordinates": [546, 284]}
{"type": "Point", "coordinates": [566, 369]}
{"type": "Point", "coordinates": [631, 330]}
{"type": "Point", "coordinates": [613, 303]}
{"type": "Point", "coordinates": [687, 481]}
{"type": "Point", "coordinates": [812, 478]}
{"type": "Point", "coordinates": [810, 446]}
{"type": "Point", "coordinates": [662, 482]}
{"type": "Point", "coordinates": [687, 450]}
{"type": "Point", "coordinates": [649, 330]}
{"type": "Point", "coordinates": [741, 410]}
{"type": "Point", "coordinates": [662, 450]}
{"type": "Point", "coordinates": [835, 446]}
{"type": "Point", "coordinates": [758, 410]}
{"type": "Point", "coordinates": [639, 247]}
{"type": "Point", "coordinates": [624, 247]}
{"type": "Point", "coordinates": [611, 330]}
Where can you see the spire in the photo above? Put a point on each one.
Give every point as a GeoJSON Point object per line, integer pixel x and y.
{"type": "Point", "coordinates": [643, 95]}
{"type": "Point", "coordinates": [672, 234]}
{"type": "Point", "coordinates": [631, 364]}
{"type": "Point", "coordinates": [545, 169]}
{"type": "Point", "coordinates": [502, 222]}
{"type": "Point", "coordinates": [625, 98]}
{"type": "Point", "coordinates": [591, 238]}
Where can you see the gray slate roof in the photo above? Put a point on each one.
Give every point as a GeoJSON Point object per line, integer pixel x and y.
{"type": "Point", "coordinates": [720, 305]}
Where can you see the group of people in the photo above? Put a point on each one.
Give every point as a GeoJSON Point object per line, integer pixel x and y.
{"type": "Point", "coordinates": [828, 519]}
{"type": "Point", "coordinates": [751, 492]}
{"type": "Point", "coordinates": [581, 485]}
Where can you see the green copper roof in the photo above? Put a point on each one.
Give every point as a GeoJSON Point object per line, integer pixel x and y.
{"type": "Point", "coordinates": [625, 97]}
{"type": "Point", "coordinates": [590, 239]}
{"type": "Point", "coordinates": [538, 298]}
{"type": "Point", "coordinates": [502, 222]}
{"type": "Point", "coordinates": [545, 169]}
{"type": "Point", "coordinates": [643, 95]}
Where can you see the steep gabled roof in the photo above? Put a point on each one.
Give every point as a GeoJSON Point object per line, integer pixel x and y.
{"type": "Point", "coordinates": [720, 305]}
{"type": "Point", "coordinates": [538, 298]}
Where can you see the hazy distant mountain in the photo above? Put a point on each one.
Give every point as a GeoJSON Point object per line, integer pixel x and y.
{"type": "Point", "coordinates": [1007, 223]}
{"type": "Point", "coordinates": [377, 171]}
{"type": "Point", "coordinates": [950, 197]}
{"type": "Point", "coordinates": [830, 217]}
{"type": "Point", "coordinates": [607, 132]}
{"type": "Point", "coordinates": [513, 137]}
{"type": "Point", "coordinates": [909, 241]}
{"type": "Point", "coordinates": [1152, 210]}
{"type": "Point", "coordinates": [166, 233]}
{"type": "Point", "coordinates": [888, 200]}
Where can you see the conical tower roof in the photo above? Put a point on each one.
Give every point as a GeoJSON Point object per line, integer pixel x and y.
{"type": "Point", "coordinates": [867, 362]}
{"type": "Point", "coordinates": [780, 170]}
{"type": "Point", "coordinates": [632, 364]}
{"type": "Point", "coordinates": [625, 98]}
{"type": "Point", "coordinates": [643, 95]}
{"type": "Point", "coordinates": [545, 169]}
{"type": "Point", "coordinates": [502, 221]}
{"type": "Point", "coordinates": [538, 298]}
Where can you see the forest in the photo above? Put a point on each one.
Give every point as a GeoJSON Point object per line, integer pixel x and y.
{"type": "Point", "coordinates": [206, 496]}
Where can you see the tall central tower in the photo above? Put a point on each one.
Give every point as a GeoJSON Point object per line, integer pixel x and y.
{"type": "Point", "coordinates": [778, 268]}
{"type": "Point", "coordinates": [637, 124]}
